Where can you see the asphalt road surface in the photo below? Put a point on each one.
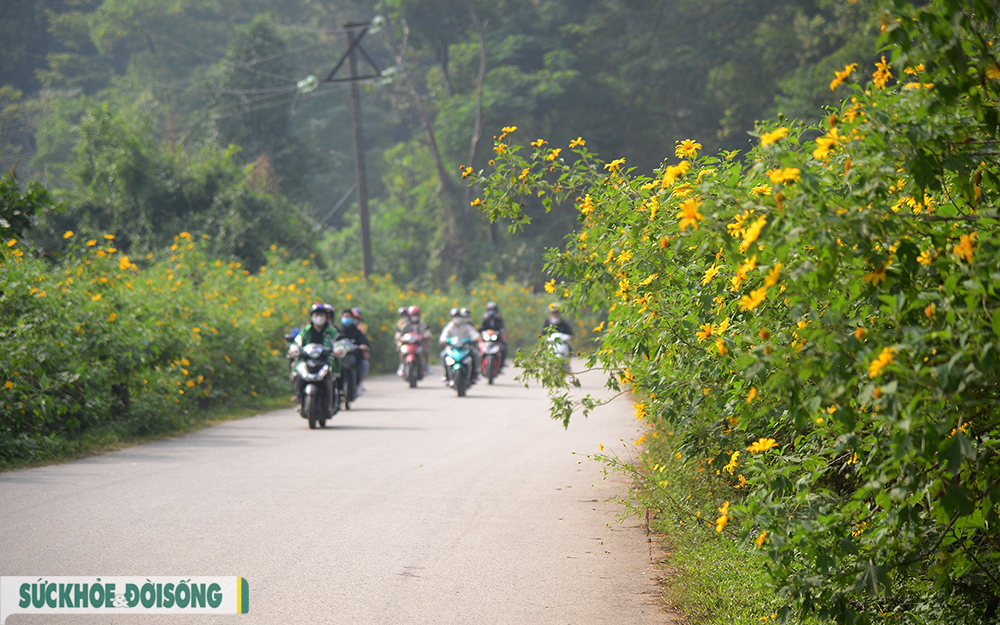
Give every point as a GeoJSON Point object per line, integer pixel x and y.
{"type": "Point", "coordinates": [414, 507]}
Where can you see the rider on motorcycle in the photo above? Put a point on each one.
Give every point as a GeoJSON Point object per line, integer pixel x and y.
{"type": "Point", "coordinates": [461, 326]}
{"type": "Point", "coordinates": [319, 330]}
{"type": "Point", "coordinates": [351, 329]}
{"type": "Point", "coordinates": [555, 318]}
{"type": "Point", "coordinates": [412, 323]}
{"type": "Point", "coordinates": [493, 321]}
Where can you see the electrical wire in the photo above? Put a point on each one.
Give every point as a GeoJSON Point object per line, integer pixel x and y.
{"type": "Point", "coordinates": [182, 46]}
{"type": "Point", "coordinates": [153, 85]}
{"type": "Point", "coordinates": [212, 113]}
{"type": "Point", "coordinates": [319, 224]}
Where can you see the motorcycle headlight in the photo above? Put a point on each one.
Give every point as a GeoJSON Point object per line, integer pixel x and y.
{"type": "Point", "coordinates": [449, 360]}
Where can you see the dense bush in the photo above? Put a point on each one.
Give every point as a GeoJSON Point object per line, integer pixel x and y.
{"type": "Point", "coordinates": [144, 345]}
{"type": "Point", "coordinates": [818, 322]}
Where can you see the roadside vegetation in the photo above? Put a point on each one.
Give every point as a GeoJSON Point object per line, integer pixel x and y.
{"type": "Point", "coordinates": [97, 347]}
{"type": "Point", "coordinates": [812, 327]}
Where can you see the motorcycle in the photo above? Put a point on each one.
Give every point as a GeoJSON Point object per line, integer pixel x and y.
{"type": "Point", "coordinates": [559, 344]}
{"type": "Point", "coordinates": [411, 351]}
{"type": "Point", "coordinates": [491, 347]}
{"type": "Point", "coordinates": [313, 369]}
{"type": "Point", "coordinates": [458, 359]}
{"type": "Point", "coordinates": [350, 370]}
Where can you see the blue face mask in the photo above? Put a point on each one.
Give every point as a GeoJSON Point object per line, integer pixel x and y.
{"type": "Point", "coordinates": [346, 321]}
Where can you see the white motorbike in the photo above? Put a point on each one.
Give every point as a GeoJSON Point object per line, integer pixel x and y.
{"type": "Point", "coordinates": [559, 344]}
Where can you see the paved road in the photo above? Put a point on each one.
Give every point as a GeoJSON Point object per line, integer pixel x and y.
{"type": "Point", "coordinates": [416, 507]}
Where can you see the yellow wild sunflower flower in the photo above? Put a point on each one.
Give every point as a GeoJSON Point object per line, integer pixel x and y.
{"type": "Point", "coordinates": [687, 148]}
{"type": "Point", "coordinates": [825, 145]}
{"type": "Point", "coordinates": [842, 75]}
{"type": "Point", "coordinates": [709, 274]}
{"type": "Point", "coordinates": [754, 299]}
{"type": "Point", "coordinates": [875, 277]}
{"type": "Point", "coordinates": [689, 215]}
{"type": "Point", "coordinates": [774, 136]}
{"type": "Point", "coordinates": [705, 332]}
{"type": "Point", "coordinates": [752, 233]}
{"type": "Point", "coordinates": [784, 176]}
{"type": "Point", "coordinates": [882, 74]}
{"type": "Point", "coordinates": [761, 445]}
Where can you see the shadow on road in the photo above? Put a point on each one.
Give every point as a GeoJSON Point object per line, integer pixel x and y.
{"type": "Point", "coordinates": [342, 428]}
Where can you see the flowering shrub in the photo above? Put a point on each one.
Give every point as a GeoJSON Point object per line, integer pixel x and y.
{"type": "Point", "coordinates": [817, 321]}
{"type": "Point", "coordinates": [143, 345]}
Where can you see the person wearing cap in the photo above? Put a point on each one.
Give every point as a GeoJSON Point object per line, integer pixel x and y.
{"type": "Point", "coordinates": [493, 321]}
{"type": "Point", "coordinates": [461, 326]}
{"type": "Point", "coordinates": [555, 318]}
{"type": "Point", "coordinates": [320, 330]}
{"type": "Point", "coordinates": [411, 323]}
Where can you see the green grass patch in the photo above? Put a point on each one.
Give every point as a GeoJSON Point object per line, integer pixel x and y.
{"type": "Point", "coordinates": [711, 577]}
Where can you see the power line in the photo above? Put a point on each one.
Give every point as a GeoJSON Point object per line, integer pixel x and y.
{"type": "Point", "coordinates": [229, 110]}
{"type": "Point", "coordinates": [319, 224]}
{"type": "Point", "coordinates": [152, 85]}
{"type": "Point", "coordinates": [177, 44]}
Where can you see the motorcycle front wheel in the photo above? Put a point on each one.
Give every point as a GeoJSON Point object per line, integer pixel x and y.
{"type": "Point", "coordinates": [311, 408]}
{"type": "Point", "coordinates": [462, 381]}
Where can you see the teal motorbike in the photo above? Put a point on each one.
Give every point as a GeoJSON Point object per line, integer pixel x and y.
{"type": "Point", "coordinates": [459, 362]}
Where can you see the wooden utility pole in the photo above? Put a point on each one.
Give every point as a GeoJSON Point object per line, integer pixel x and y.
{"type": "Point", "coordinates": [355, 32]}
{"type": "Point", "coordinates": [359, 154]}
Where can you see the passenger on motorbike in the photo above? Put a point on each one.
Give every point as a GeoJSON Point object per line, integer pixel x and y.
{"type": "Point", "coordinates": [349, 328]}
{"type": "Point", "coordinates": [359, 319]}
{"type": "Point", "coordinates": [413, 324]}
{"type": "Point", "coordinates": [319, 330]}
{"type": "Point", "coordinates": [493, 321]}
{"type": "Point", "coordinates": [461, 326]}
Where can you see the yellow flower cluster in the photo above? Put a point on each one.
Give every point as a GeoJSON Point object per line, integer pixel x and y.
{"type": "Point", "coordinates": [965, 247]}
{"type": "Point", "coordinates": [733, 463]}
{"type": "Point", "coordinates": [723, 520]}
{"type": "Point", "coordinates": [672, 172]}
{"type": "Point", "coordinates": [885, 358]}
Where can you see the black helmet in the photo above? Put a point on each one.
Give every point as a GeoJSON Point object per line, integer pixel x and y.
{"type": "Point", "coordinates": [319, 308]}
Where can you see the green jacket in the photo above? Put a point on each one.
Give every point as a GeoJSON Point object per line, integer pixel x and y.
{"type": "Point", "coordinates": [326, 337]}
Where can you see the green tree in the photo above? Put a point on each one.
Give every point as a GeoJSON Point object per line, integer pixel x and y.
{"type": "Point", "coordinates": [816, 324]}
{"type": "Point", "coordinates": [145, 191]}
